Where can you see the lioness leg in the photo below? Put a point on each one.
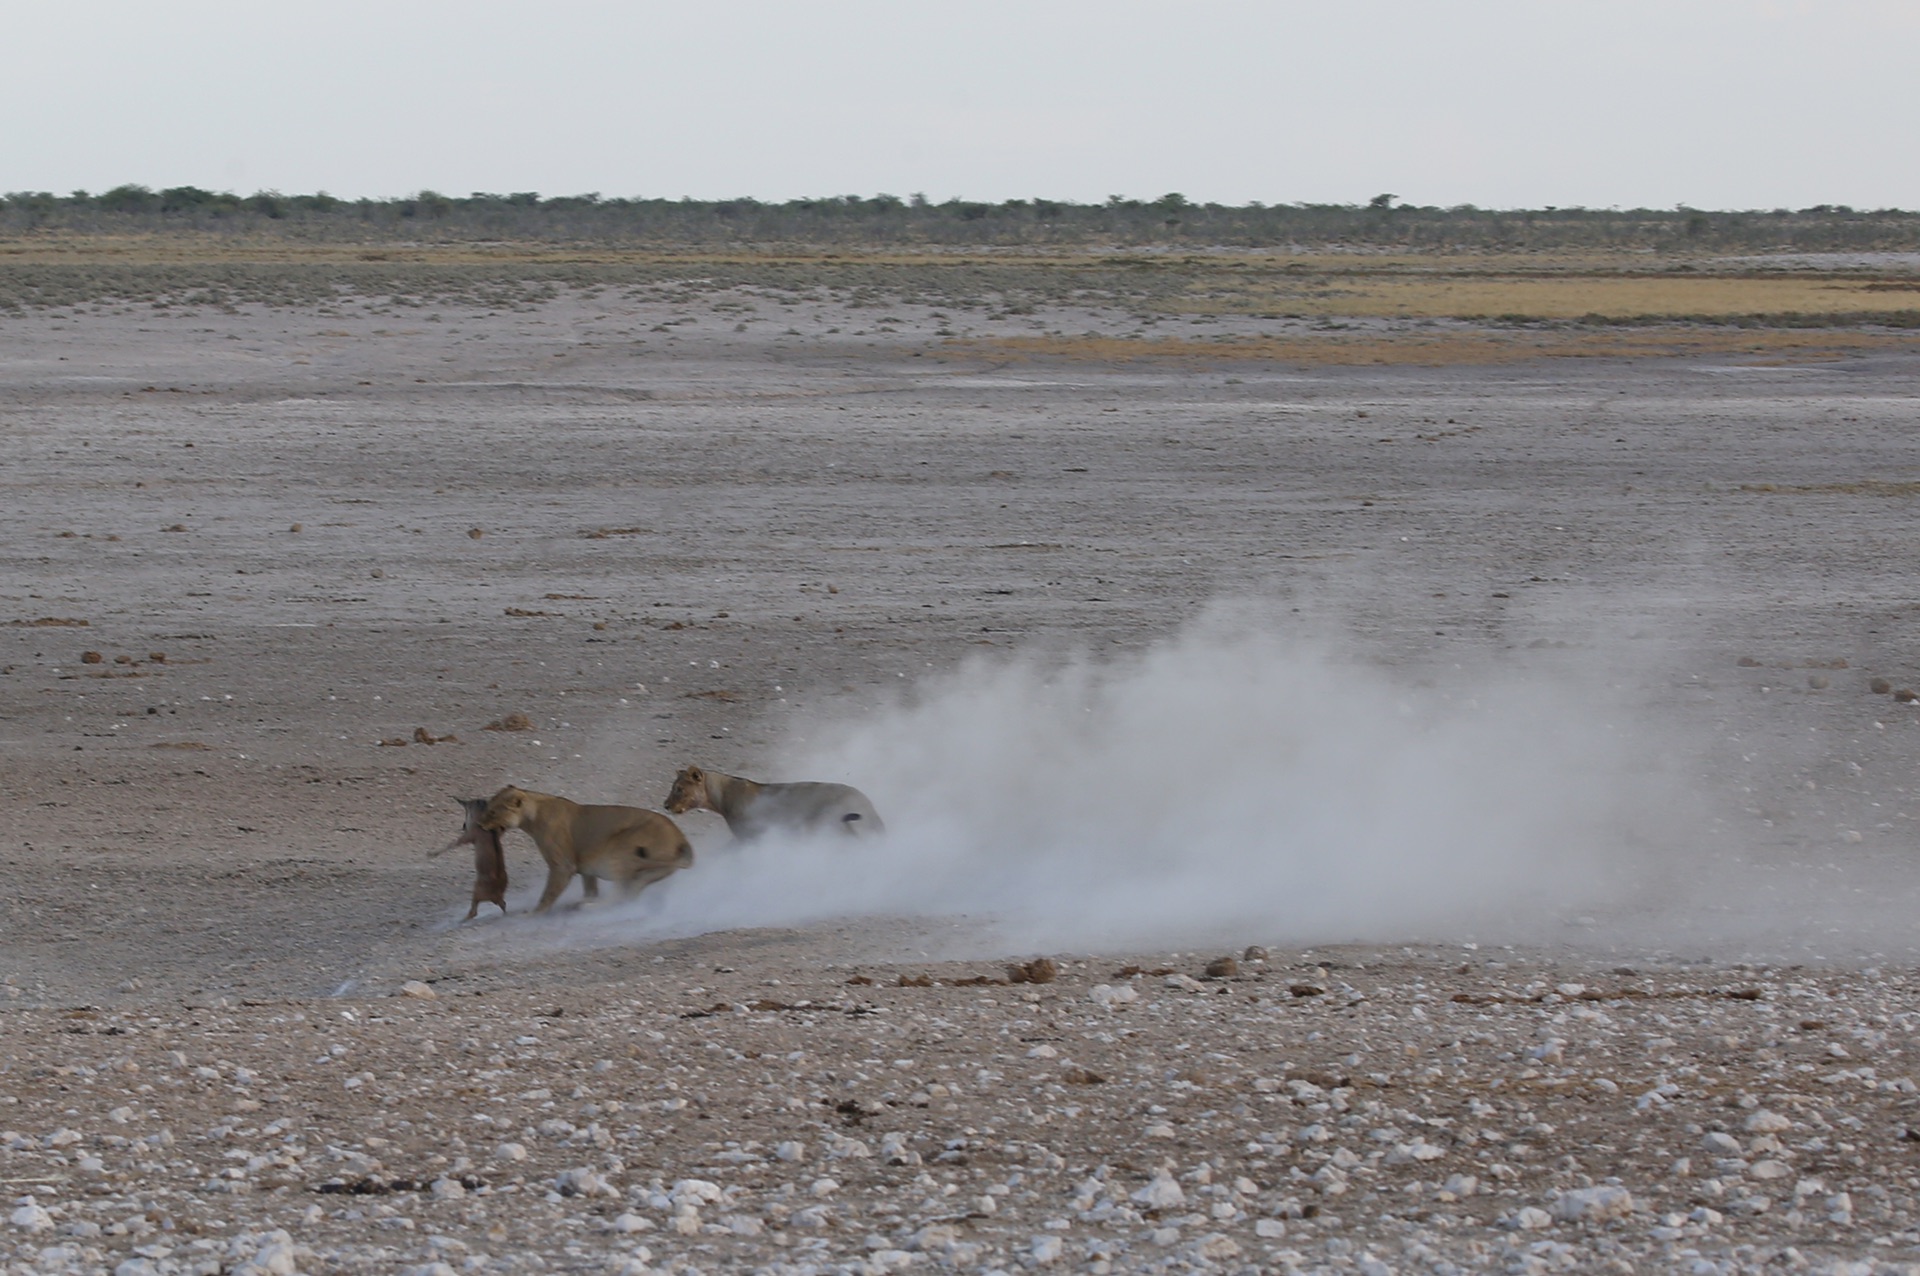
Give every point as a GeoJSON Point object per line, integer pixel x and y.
{"type": "Point", "coordinates": [557, 879]}
{"type": "Point", "coordinates": [590, 886]}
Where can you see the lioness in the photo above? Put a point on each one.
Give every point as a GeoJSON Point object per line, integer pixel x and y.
{"type": "Point", "coordinates": [751, 808]}
{"type": "Point", "coordinates": [613, 843]}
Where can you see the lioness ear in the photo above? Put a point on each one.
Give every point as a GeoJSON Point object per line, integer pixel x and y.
{"type": "Point", "coordinates": [694, 774]}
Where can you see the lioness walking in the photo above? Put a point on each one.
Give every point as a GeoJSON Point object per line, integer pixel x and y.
{"type": "Point", "coordinates": [751, 809]}
{"type": "Point", "coordinates": [622, 844]}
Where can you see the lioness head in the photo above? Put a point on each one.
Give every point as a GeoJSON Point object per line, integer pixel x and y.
{"type": "Point", "coordinates": [689, 792]}
{"type": "Point", "coordinates": [505, 810]}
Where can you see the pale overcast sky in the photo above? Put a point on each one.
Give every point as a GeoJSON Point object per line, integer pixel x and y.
{"type": "Point", "coordinates": [1501, 103]}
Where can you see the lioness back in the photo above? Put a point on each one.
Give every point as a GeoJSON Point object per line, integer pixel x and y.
{"type": "Point", "coordinates": [814, 806]}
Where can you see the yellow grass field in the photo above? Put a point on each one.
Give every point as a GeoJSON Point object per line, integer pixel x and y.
{"type": "Point", "coordinates": [1480, 346]}
{"type": "Point", "coordinates": [1757, 307]}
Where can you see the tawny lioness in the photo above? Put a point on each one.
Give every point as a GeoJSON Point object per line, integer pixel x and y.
{"type": "Point", "coordinates": [622, 844]}
{"type": "Point", "coordinates": [751, 808]}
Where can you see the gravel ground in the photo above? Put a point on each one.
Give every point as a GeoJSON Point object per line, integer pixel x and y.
{"type": "Point", "coordinates": [245, 1030]}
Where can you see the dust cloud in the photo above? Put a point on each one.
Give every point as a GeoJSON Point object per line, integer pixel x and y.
{"type": "Point", "coordinates": [1235, 783]}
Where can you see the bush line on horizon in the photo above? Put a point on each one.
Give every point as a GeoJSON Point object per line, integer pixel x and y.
{"type": "Point", "coordinates": [1171, 219]}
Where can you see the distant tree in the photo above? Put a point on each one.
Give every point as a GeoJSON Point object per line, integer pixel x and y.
{"type": "Point", "coordinates": [1382, 202]}
{"type": "Point", "coordinates": [129, 199]}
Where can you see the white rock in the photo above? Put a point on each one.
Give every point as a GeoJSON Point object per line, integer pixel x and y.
{"type": "Point", "coordinates": [510, 1152]}
{"type": "Point", "coordinates": [120, 1115]}
{"type": "Point", "coordinates": [629, 1223]}
{"type": "Point", "coordinates": [1721, 1144]}
{"type": "Point", "coordinates": [1109, 996]}
{"type": "Point", "coordinates": [1045, 1249]}
{"type": "Point", "coordinates": [1531, 1219]}
{"type": "Point", "coordinates": [584, 1181]}
{"type": "Point", "coordinates": [686, 1221]}
{"type": "Point", "coordinates": [136, 1267]}
{"type": "Point", "coordinates": [1164, 1236]}
{"type": "Point", "coordinates": [1217, 1248]}
{"type": "Point", "coordinates": [1765, 1122]}
{"type": "Point", "coordinates": [277, 1259]}
{"type": "Point", "coordinates": [1270, 1229]}
{"type": "Point", "coordinates": [791, 1150]}
{"type": "Point", "coordinates": [935, 1238]}
{"type": "Point", "coordinates": [1706, 1217]}
{"type": "Point", "coordinates": [414, 988]}
{"type": "Point", "coordinates": [64, 1137]}
{"type": "Point", "coordinates": [695, 1191]}
{"type": "Point", "coordinates": [431, 1269]}
{"type": "Point", "coordinates": [1186, 983]}
{"type": "Point", "coordinates": [31, 1218]}
{"type": "Point", "coordinates": [448, 1189]}
{"type": "Point", "coordinates": [1163, 1193]}
{"type": "Point", "coordinates": [1042, 1051]}
{"type": "Point", "coordinates": [823, 1187]}
{"type": "Point", "coordinates": [1765, 1170]}
{"type": "Point", "coordinates": [1461, 1185]}
{"type": "Point", "coordinates": [743, 1224]}
{"type": "Point", "coordinates": [1593, 1204]}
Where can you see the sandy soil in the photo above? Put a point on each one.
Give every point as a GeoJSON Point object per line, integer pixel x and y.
{"type": "Point", "coordinates": [666, 535]}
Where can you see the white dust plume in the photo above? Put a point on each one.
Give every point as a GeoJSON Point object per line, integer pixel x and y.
{"type": "Point", "coordinates": [1229, 784]}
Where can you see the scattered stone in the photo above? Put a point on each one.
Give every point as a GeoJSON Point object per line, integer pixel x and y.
{"type": "Point", "coordinates": [1531, 1218]}
{"type": "Point", "coordinates": [1906, 695]}
{"type": "Point", "coordinates": [1270, 1229]}
{"type": "Point", "coordinates": [515, 721]}
{"type": "Point", "coordinates": [91, 657]}
{"type": "Point", "coordinates": [474, 533]}
{"type": "Point", "coordinates": [415, 988]}
{"type": "Point", "coordinates": [30, 1217]}
{"type": "Point", "coordinates": [1747, 662]}
{"type": "Point", "coordinates": [1254, 953]}
{"type": "Point", "coordinates": [1041, 970]}
{"type": "Point", "coordinates": [1879, 686]}
{"type": "Point", "coordinates": [1109, 996]}
{"type": "Point", "coordinates": [1222, 968]}
{"type": "Point", "coordinates": [510, 1152]}
{"type": "Point", "coordinates": [1045, 1249]}
{"type": "Point", "coordinates": [584, 1181]}
{"type": "Point", "coordinates": [1819, 681]}
{"type": "Point", "coordinates": [792, 1150]}
{"type": "Point", "coordinates": [1162, 1193]}
{"type": "Point", "coordinates": [1593, 1204]}
{"type": "Point", "coordinates": [1765, 1122]}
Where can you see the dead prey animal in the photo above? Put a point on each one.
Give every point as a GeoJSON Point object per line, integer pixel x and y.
{"type": "Point", "coordinates": [622, 844]}
{"type": "Point", "coordinates": [489, 862]}
{"type": "Point", "coordinates": [751, 809]}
